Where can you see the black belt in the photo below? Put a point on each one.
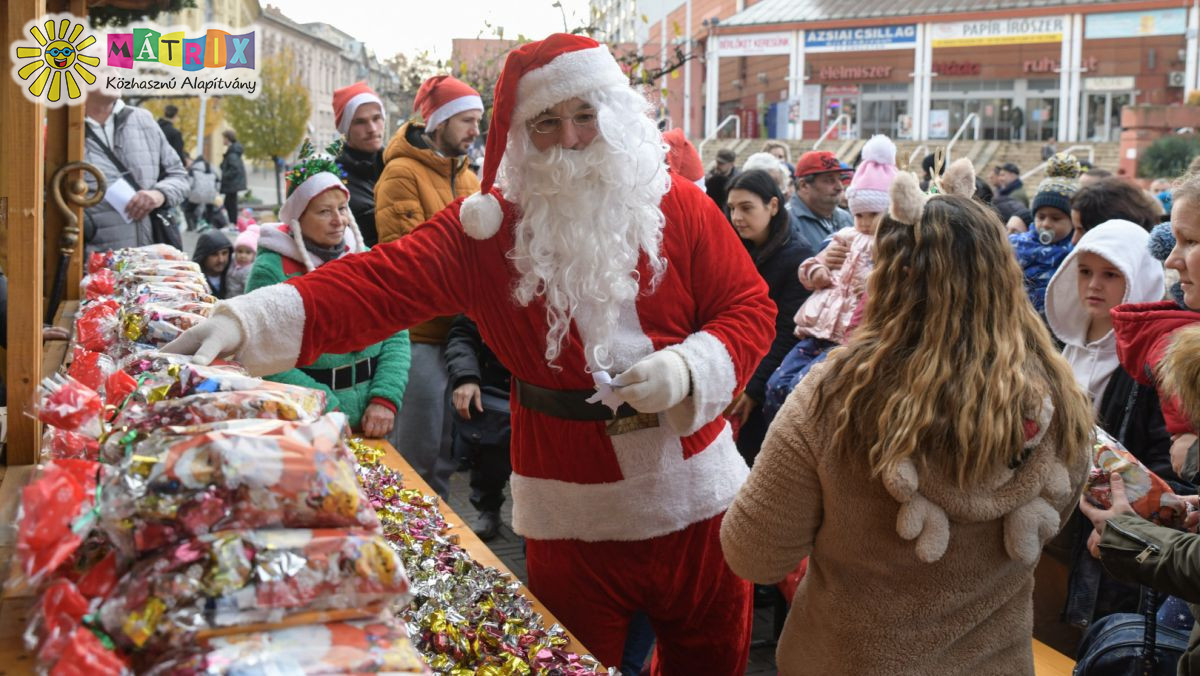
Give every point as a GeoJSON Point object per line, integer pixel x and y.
{"type": "Point", "coordinates": [344, 377]}
{"type": "Point", "coordinates": [568, 404]}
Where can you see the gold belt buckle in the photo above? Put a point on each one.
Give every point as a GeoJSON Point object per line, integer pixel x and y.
{"type": "Point", "coordinates": [632, 423]}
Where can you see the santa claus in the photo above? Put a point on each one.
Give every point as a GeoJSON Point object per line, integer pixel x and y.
{"type": "Point", "coordinates": [590, 262]}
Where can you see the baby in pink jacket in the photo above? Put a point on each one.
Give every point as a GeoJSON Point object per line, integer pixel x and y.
{"type": "Point", "coordinates": [825, 319]}
{"type": "Point", "coordinates": [836, 293]}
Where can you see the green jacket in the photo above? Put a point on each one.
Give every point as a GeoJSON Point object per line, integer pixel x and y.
{"type": "Point", "coordinates": [1167, 560]}
{"type": "Point", "coordinates": [391, 374]}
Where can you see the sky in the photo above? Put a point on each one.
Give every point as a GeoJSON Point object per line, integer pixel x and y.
{"type": "Point", "coordinates": [413, 26]}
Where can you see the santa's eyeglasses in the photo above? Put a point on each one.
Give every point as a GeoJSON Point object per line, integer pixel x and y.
{"type": "Point", "coordinates": [553, 125]}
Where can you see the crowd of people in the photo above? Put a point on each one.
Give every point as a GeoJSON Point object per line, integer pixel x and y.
{"type": "Point", "coordinates": [1096, 257]}
{"type": "Point", "coordinates": [882, 386]}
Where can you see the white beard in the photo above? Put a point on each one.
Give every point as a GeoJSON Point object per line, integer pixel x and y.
{"type": "Point", "coordinates": [587, 216]}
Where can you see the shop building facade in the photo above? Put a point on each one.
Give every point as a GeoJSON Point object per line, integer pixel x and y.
{"type": "Point", "coordinates": [918, 69]}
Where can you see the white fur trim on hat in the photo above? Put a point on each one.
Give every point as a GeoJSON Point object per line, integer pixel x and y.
{"type": "Point", "coordinates": [301, 250]}
{"type": "Point", "coordinates": [452, 108]}
{"type": "Point", "coordinates": [569, 75]}
{"type": "Point", "coordinates": [353, 104]}
{"type": "Point", "coordinates": [481, 215]}
{"type": "Point", "coordinates": [314, 185]}
{"type": "Point", "coordinates": [864, 201]}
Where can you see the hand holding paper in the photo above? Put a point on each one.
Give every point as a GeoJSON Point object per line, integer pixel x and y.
{"type": "Point", "coordinates": [605, 394]}
{"type": "Point", "coordinates": [118, 195]}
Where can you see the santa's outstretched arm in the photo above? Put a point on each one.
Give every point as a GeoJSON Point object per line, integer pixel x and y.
{"type": "Point", "coordinates": [344, 305]}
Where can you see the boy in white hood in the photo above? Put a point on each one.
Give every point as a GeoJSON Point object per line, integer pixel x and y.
{"type": "Point", "coordinates": [1111, 265]}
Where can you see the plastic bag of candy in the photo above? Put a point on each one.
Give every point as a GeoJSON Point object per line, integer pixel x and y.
{"type": "Point", "coordinates": [187, 394]}
{"type": "Point", "coordinates": [83, 654]}
{"type": "Point", "coordinates": [118, 259]}
{"type": "Point", "coordinates": [144, 360]}
{"type": "Point", "coordinates": [1150, 496]}
{"type": "Point", "coordinates": [156, 324]}
{"type": "Point", "coordinates": [196, 378]}
{"type": "Point", "coordinates": [63, 444]}
{"type": "Point", "coordinates": [251, 474]}
{"type": "Point", "coordinates": [99, 284]}
{"type": "Point", "coordinates": [60, 612]}
{"type": "Point", "coordinates": [208, 407]}
{"type": "Point", "coordinates": [356, 647]}
{"type": "Point", "coordinates": [56, 514]}
{"type": "Point", "coordinates": [160, 267]}
{"type": "Point", "coordinates": [202, 586]}
{"type": "Point", "coordinates": [90, 368]}
{"type": "Point", "coordinates": [55, 617]}
{"type": "Point", "coordinates": [154, 252]}
{"type": "Point", "coordinates": [98, 326]}
{"type": "Point", "coordinates": [69, 405]}
{"type": "Point", "coordinates": [166, 294]}
{"type": "Point", "coordinates": [130, 288]}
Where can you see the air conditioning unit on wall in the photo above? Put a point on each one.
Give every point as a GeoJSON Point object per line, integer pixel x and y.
{"type": "Point", "coordinates": [1175, 78]}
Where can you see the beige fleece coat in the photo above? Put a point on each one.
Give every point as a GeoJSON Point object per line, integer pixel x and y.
{"type": "Point", "coordinates": [906, 575]}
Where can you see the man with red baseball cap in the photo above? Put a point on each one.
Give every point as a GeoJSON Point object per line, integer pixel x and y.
{"type": "Point", "coordinates": [360, 118]}
{"type": "Point", "coordinates": [629, 315]}
{"type": "Point", "coordinates": [814, 206]}
{"type": "Point", "coordinates": [426, 169]}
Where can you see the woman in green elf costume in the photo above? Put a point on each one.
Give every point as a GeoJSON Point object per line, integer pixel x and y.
{"type": "Point", "coordinates": [317, 228]}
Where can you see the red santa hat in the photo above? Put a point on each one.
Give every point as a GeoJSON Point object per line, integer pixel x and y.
{"type": "Point", "coordinates": [682, 156]}
{"type": "Point", "coordinates": [347, 99]}
{"type": "Point", "coordinates": [536, 76]}
{"type": "Point", "coordinates": [441, 97]}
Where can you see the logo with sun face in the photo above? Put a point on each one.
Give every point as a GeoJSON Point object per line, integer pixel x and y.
{"type": "Point", "coordinates": [53, 65]}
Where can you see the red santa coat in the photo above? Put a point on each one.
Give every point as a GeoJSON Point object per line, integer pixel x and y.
{"type": "Point", "coordinates": [570, 479]}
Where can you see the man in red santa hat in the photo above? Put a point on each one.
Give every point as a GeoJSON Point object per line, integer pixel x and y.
{"type": "Point", "coordinates": [591, 262]}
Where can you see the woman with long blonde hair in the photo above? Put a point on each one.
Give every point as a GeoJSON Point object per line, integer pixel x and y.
{"type": "Point", "coordinates": [924, 466]}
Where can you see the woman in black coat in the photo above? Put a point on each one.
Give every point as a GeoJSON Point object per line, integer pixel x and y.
{"type": "Point", "coordinates": [233, 174]}
{"type": "Point", "coordinates": [756, 209]}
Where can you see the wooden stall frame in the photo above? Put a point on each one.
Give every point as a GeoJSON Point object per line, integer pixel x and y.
{"type": "Point", "coordinates": [22, 181]}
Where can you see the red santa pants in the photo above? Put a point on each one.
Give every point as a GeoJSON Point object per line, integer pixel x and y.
{"type": "Point", "coordinates": [701, 612]}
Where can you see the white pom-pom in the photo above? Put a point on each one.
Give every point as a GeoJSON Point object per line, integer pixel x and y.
{"type": "Point", "coordinates": [879, 149]}
{"type": "Point", "coordinates": [481, 215]}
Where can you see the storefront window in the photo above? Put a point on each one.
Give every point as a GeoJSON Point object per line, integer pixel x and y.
{"type": "Point", "coordinates": [1041, 118]}
{"type": "Point", "coordinates": [996, 119]}
{"type": "Point", "coordinates": [990, 100]}
{"type": "Point", "coordinates": [882, 106]}
{"type": "Point", "coordinates": [840, 100]}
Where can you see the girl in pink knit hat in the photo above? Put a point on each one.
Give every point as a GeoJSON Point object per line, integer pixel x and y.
{"type": "Point", "coordinates": [824, 321]}
{"type": "Point", "coordinates": [244, 250]}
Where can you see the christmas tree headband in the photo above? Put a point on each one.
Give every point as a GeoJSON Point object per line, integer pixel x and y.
{"type": "Point", "coordinates": [312, 162]}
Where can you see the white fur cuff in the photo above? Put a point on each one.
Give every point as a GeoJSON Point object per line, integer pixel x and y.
{"type": "Point", "coordinates": [272, 321]}
{"type": "Point", "coordinates": [713, 382]}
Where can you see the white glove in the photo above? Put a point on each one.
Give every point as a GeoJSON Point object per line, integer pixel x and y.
{"type": "Point", "coordinates": [655, 383]}
{"type": "Point", "coordinates": [214, 337]}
